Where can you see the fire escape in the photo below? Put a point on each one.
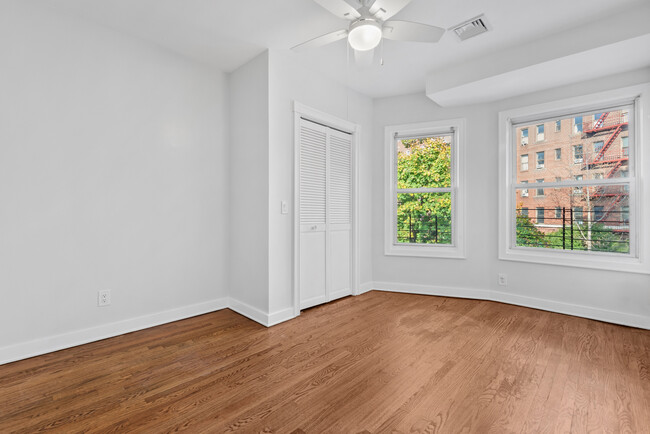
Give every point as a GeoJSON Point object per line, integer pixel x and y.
{"type": "Point", "coordinates": [611, 124]}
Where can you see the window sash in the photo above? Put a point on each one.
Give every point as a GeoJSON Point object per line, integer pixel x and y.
{"type": "Point", "coordinates": [451, 189]}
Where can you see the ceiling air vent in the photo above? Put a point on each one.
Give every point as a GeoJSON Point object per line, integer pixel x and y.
{"type": "Point", "coordinates": [470, 28]}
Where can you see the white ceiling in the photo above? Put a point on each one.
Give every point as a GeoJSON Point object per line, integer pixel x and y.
{"type": "Point", "coordinates": [228, 33]}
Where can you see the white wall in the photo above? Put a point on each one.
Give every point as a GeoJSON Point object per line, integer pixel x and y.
{"type": "Point", "coordinates": [113, 175]}
{"type": "Point", "coordinates": [581, 291]}
{"type": "Point", "coordinates": [249, 195]}
{"type": "Point", "coordinates": [291, 82]}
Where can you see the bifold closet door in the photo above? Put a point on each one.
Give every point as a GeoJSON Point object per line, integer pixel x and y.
{"type": "Point", "coordinates": [324, 213]}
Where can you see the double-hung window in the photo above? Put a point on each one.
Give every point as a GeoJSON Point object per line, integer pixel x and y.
{"type": "Point", "coordinates": [424, 189]}
{"type": "Point", "coordinates": [596, 201]}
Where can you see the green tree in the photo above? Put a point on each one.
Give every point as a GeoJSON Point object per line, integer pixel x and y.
{"type": "Point", "coordinates": [424, 217]}
{"type": "Point", "coordinates": [527, 234]}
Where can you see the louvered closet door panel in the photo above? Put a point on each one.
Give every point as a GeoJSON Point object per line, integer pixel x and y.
{"type": "Point", "coordinates": [313, 214]}
{"type": "Point", "coordinates": [340, 179]}
{"type": "Point", "coordinates": [313, 174]}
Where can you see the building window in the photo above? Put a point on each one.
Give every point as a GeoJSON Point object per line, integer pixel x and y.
{"type": "Point", "coordinates": [539, 191]}
{"type": "Point", "coordinates": [592, 195]}
{"type": "Point", "coordinates": [524, 137]}
{"type": "Point", "coordinates": [577, 154]}
{"type": "Point", "coordinates": [598, 146]}
{"type": "Point", "coordinates": [577, 214]}
{"type": "Point", "coordinates": [625, 214]}
{"type": "Point", "coordinates": [624, 147]}
{"type": "Point", "coordinates": [540, 132]}
{"type": "Point", "coordinates": [577, 190]}
{"type": "Point", "coordinates": [599, 213]}
{"type": "Point", "coordinates": [558, 126]}
{"type": "Point", "coordinates": [524, 211]}
{"type": "Point", "coordinates": [577, 124]}
{"type": "Point", "coordinates": [524, 162]}
{"type": "Point", "coordinates": [524, 191]}
{"type": "Point", "coordinates": [424, 212]}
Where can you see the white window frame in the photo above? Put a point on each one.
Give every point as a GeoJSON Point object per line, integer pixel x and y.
{"type": "Point", "coordinates": [457, 247]}
{"type": "Point", "coordinates": [638, 260]}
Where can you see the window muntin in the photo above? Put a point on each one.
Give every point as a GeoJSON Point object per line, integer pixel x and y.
{"type": "Point", "coordinates": [583, 191]}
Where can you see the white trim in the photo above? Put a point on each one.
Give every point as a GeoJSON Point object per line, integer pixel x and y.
{"type": "Point", "coordinates": [58, 342]}
{"type": "Point", "coordinates": [365, 287]}
{"type": "Point", "coordinates": [248, 311]}
{"type": "Point", "coordinates": [280, 316]}
{"type": "Point", "coordinates": [637, 261]}
{"type": "Point", "coordinates": [611, 316]}
{"type": "Point", "coordinates": [458, 190]}
{"type": "Point", "coordinates": [340, 294]}
{"type": "Point", "coordinates": [306, 112]}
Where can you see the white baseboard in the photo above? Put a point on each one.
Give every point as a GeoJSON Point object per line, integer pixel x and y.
{"type": "Point", "coordinates": [339, 294]}
{"type": "Point", "coordinates": [258, 315]}
{"type": "Point", "coordinates": [50, 344]}
{"type": "Point", "coordinates": [611, 316]}
{"type": "Point", "coordinates": [365, 287]}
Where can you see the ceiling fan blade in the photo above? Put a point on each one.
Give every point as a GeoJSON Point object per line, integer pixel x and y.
{"type": "Point", "coordinates": [384, 9]}
{"type": "Point", "coordinates": [339, 8]}
{"type": "Point", "coordinates": [364, 58]}
{"type": "Point", "coordinates": [415, 32]}
{"type": "Point", "coordinates": [321, 40]}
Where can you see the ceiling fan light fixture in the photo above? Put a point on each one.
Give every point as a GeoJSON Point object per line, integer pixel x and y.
{"type": "Point", "coordinates": [364, 34]}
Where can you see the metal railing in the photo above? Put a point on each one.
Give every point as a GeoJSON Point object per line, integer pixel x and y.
{"type": "Point", "coordinates": [569, 229]}
{"type": "Point", "coordinates": [423, 229]}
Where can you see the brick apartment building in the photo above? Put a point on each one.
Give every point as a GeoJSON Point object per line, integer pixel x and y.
{"type": "Point", "coordinates": [585, 147]}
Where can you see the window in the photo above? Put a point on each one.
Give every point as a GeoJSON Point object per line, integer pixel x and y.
{"type": "Point", "coordinates": [558, 153]}
{"type": "Point", "coordinates": [577, 214]}
{"type": "Point", "coordinates": [424, 215]}
{"type": "Point", "coordinates": [540, 160]}
{"type": "Point", "coordinates": [524, 191]}
{"type": "Point", "coordinates": [524, 137]}
{"type": "Point", "coordinates": [597, 117]}
{"type": "Point", "coordinates": [577, 154]}
{"type": "Point", "coordinates": [593, 195]}
{"type": "Point", "coordinates": [577, 124]}
{"type": "Point", "coordinates": [524, 162]}
{"type": "Point", "coordinates": [577, 190]}
{"type": "Point", "coordinates": [524, 211]}
{"type": "Point", "coordinates": [625, 214]}
{"type": "Point", "coordinates": [540, 132]}
{"type": "Point", "coordinates": [539, 191]}
{"type": "Point", "coordinates": [598, 146]}
{"type": "Point", "coordinates": [624, 146]}
{"type": "Point", "coordinates": [599, 213]}
{"type": "Point", "coordinates": [558, 126]}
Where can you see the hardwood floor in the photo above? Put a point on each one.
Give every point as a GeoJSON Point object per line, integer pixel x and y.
{"type": "Point", "coordinates": [380, 362]}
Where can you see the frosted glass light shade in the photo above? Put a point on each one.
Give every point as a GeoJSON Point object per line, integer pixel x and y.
{"type": "Point", "coordinates": [364, 35]}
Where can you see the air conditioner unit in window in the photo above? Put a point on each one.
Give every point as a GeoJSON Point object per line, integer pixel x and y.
{"type": "Point", "coordinates": [524, 141]}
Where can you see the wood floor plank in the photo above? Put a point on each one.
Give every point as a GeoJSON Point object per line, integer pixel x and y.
{"type": "Point", "coordinates": [377, 363]}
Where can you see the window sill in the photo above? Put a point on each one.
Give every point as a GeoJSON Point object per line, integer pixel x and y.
{"type": "Point", "coordinates": [424, 251]}
{"type": "Point", "coordinates": [596, 260]}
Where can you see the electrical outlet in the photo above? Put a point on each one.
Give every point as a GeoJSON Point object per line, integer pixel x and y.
{"type": "Point", "coordinates": [503, 279]}
{"type": "Point", "coordinates": [104, 297]}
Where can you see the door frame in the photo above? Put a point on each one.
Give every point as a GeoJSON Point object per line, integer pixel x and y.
{"type": "Point", "coordinates": [311, 114]}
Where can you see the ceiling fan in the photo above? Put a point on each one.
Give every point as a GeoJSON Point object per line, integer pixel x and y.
{"type": "Point", "coordinates": [369, 24]}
